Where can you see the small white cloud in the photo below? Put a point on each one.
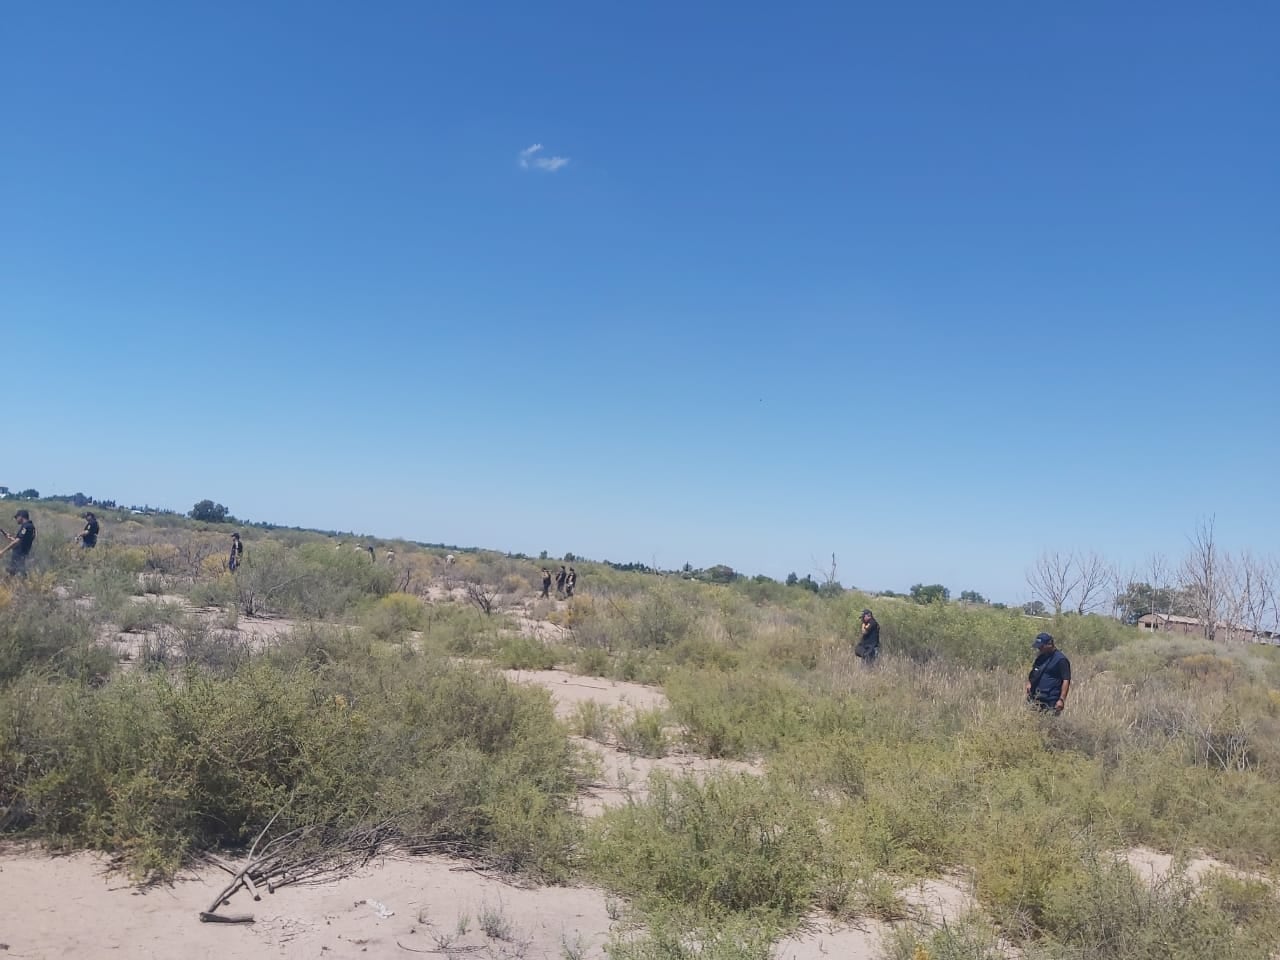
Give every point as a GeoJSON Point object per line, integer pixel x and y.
{"type": "Point", "coordinates": [527, 153]}
{"type": "Point", "coordinates": [529, 159]}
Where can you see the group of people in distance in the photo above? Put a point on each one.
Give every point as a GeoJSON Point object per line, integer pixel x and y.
{"type": "Point", "coordinates": [20, 543]}
{"type": "Point", "coordinates": [1048, 683]}
{"type": "Point", "coordinates": [566, 582]}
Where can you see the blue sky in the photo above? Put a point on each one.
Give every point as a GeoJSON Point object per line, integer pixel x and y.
{"type": "Point", "coordinates": [933, 286]}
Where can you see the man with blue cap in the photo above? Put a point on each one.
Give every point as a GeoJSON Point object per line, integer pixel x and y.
{"type": "Point", "coordinates": [1049, 681]}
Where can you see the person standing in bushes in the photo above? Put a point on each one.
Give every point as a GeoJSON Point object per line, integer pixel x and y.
{"type": "Point", "coordinates": [237, 553]}
{"type": "Point", "coordinates": [570, 582]}
{"type": "Point", "coordinates": [1049, 681]}
{"type": "Point", "coordinates": [561, 577]}
{"type": "Point", "coordinates": [20, 544]}
{"type": "Point", "coordinates": [868, 647]}
{"type": "Point", "coordinates": [546, 583]}
{"type": "Point", "coordinates": [89, 535]}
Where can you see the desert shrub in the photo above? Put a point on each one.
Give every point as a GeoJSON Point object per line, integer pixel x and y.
{"type": "Point", "coordinates": [310, 581]}
{"type": "Point", "coordinates": [967, 940]}
{"type": "Point", "coordinates": [593, 662]}
{"type": "Point", "coordinates": [525, 653]}
{"type": "Point", "coordinates": [108, 586]}
{"type": "Point", "coordinates": [216, 591]}
{"type": "Point", "coordinates": [675, 935]}
{"type": "Point", "coordinates": [591, 719]}
{"type": "Point", "coordinates": [462, 630]}
{"type": "Point", "coordinates": [40, 630]}
{"type": "Point", "coordinates": [395, 616]}
{"type": "Point", "coordinates": [732, 714]}
{"type": "Point", "coordinates": [1252, 904]}
{"type": "Point", "coordinates": [1101, 910]}
{"type": "Point", "coordinates": [156, 765]}
{"type": "Point", "coordinates": [643, 732]}
{"type": "Point", "coordinates": [734, 843]}
{"type": "Point", "coordinates": [136, 617]}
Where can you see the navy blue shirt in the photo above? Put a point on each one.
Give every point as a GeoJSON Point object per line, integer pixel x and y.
{"type": "Point", "coordinates": [1047, 676]}
{"type": "Point", "coordinates": [871, 638]}
{"type": "Point", "coordinates": [26, 537]}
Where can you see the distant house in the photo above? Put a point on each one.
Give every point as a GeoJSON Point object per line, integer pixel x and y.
{"type": "Point", "coordinates": [1194, 627]}
{"type": "Point", "coordinates": [1170, 623]}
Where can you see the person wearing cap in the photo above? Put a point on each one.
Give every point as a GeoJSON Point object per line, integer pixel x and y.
{"type": "Point", "coordinates": [20, 544]}
{"type": "Point", "coordinates": [868, 647]}
{"type": "Point", "coordinates": [237, 553]}
{"type": "Point", "coordinates": [89, 535]}
{"type": "Point", "coordinates": [1049, 681]}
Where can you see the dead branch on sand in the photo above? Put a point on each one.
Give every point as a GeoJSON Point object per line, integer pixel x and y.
{"type": "Point", "coordinates": [301, 855]}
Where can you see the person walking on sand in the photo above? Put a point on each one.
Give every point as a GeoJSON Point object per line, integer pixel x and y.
{"type": "Point", "coordinates": [868, 647]}
{"type": "Point", "coordinates": [546, 583]}
{"type": "Point", "coordinates": [1049, 681]}
{"type": "Point", "coordinates": [89, 535]}
{"type": "Point", "coordinates": [237, 553]}
{"type": "Point", "coordinates": [570, 582]}
{"type": "Point", "coordinates": [561, 577]}
{"type": "Point", "coordinates": [20, 544]}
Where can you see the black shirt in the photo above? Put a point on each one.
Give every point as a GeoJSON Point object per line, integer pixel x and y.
{"type": "Point", "coordinates": [1047, 676]}
{"type": "Point", "coordinates": [871, 639]}
{"type": "Point", "coordinates": [90, 535]}
{"type": "Point", "coordinates": [26, 538]}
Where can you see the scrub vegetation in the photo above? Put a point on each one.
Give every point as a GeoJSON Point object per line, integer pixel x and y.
{"type": "Point", "coordinates": [141, 715]}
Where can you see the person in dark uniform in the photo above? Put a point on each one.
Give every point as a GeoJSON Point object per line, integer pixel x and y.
{"type": "Point", "coordinates": [20, 544]}
{"type": "Point", "coordinates": [1049, 681]}
{"type": "Point", "coordinates": [868, 647]}
{"type": "Point", "coordinates": [89, 535]}
{"type": "Point", "coordinates": [561, 577]}
{"type": "Point", "coordinates": [546, 583]}
{"type": "Point", "coordinates": [570, 582]}
{"type": "Point", "coordinates": [237, 553]}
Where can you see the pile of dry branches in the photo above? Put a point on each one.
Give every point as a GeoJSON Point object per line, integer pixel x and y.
{"type": "Point", "coordinates": [302, 855]}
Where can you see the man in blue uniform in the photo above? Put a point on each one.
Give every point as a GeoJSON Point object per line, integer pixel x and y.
{"type": "Point", "coordinates": [1049, 681]}
{"type": "Point", "coordinates": [20, 544]}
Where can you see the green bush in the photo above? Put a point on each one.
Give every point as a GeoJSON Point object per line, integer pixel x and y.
{"type": "Point", "coordinates": [394, 617]}
{"type": "Point", "coordinates": [525, 653]}
{"type": "Point", "coordinates": [673, 935]}
{"type": "Point", "coordinates": [733, 844]}
{"type": "Point", "coordinates": [39, 629]}
{"type": "Point", "coordinates": [156, 766]}
{"type": "Point", "coordinates": [643, 733]}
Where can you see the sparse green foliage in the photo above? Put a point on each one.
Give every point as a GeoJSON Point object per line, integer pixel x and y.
{"type": "Point", "coordinates": [643, 733]}
{"type": "Point", "coordinates": [206, 511]}
{"type": "Point", "coordinates": [933, 593]}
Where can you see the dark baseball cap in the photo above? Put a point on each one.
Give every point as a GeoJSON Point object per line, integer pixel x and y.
{"type": "Point", "coordinates": [22, 515]}
{"type": "Point", "coordinates": [1042, 640]}
{"type": "Point", "coordinates": [867, 613]}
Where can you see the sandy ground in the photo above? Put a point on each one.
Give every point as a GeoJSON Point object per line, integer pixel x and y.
{"type": "Point", "coordinates": [569, 689]}
{"type": "Point", "coordinates": [72, 907]}
{"type": "Point", "coordinates": [1154, 866]}
{"type": "Point", "coordinates": [623, 776]}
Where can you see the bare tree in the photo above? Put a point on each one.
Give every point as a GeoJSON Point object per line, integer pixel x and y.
{"type": "Point", "coordinates": [1094, 579]}
{"type": "Point", "coordinates": [485, 596]}
{"type": "Point", "coordinates": [1054, 579]}
{"type": "Point", "coordinates": [1159, 577]}
{"type": "Point", "coordinates": [1200, 575]}
{"type": "Point", "coordinates": [1120, 582]}
{"type": "Point", "coordinates": [1255, 593]}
